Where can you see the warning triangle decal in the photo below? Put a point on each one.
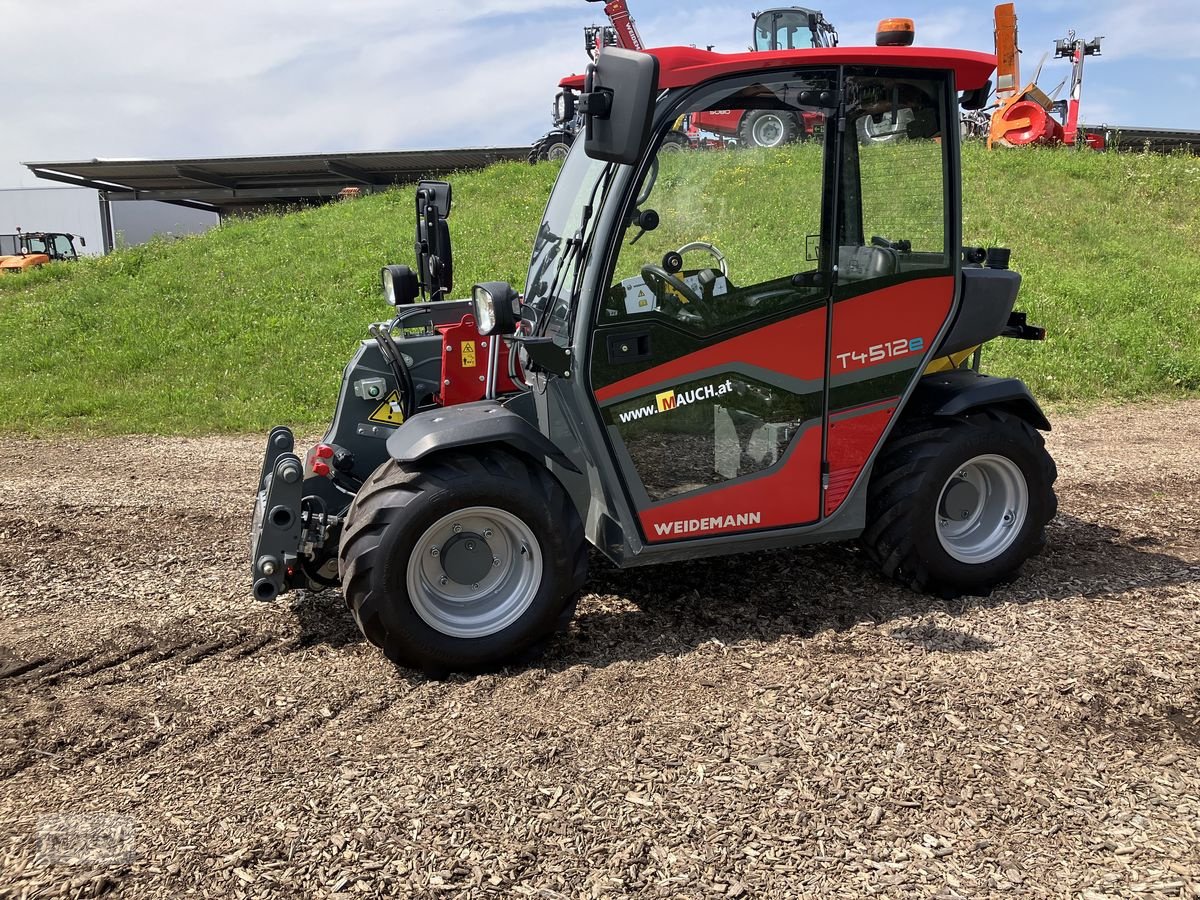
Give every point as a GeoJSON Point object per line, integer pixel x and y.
{"type": "Point", "coordinates": [388, 412]}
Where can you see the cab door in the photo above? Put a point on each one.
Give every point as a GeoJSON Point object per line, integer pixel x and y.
{"type": "Point", "coordinates": [897, 272]}
{"type": "Point", "coordinates": [708, 359]}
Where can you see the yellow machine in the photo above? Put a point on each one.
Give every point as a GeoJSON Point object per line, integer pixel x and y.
{"type": "Point", "coordinates": [27, 250]}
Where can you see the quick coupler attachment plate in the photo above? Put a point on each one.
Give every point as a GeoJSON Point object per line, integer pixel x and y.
{"type": "Point", "coordinates": [277, 529]}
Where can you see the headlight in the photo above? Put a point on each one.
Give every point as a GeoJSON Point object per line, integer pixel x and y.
{"type": "Point", "coordinates": [493, 301]}
{"type": "Point", "coordinates": [399, 284]}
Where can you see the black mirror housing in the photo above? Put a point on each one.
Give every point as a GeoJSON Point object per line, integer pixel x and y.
{"type": "Point", "coordinates": [976, 99]}
{"type": "Point", "coordinates": [618, 105]}
{"type": "Point", "coordinates": [435, 259]}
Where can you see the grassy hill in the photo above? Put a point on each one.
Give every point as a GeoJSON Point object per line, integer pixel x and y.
{"type": "Point", "coordinates": [250, 324]}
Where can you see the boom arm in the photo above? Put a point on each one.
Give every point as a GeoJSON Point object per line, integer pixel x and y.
{"type": "Point", "coordinates": [618, 14]}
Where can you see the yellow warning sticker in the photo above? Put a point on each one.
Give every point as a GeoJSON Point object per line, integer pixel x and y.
{"type": "Point", "coordinates": [388, 412]}
{"type": "Point", "coordinates": [468, 354]}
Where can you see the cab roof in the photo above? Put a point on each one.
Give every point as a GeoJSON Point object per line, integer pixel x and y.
{"type": "Point", "coordinates": [686, 66]}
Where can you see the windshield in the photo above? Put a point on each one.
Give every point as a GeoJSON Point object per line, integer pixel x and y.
{"type": "Point", "coordinates": [548, 286]}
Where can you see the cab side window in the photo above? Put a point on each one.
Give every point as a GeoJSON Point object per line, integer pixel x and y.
{"type": "Point", "coordinates": [718, 235]}
{"type": "Point", "coordinates": [895, 205]}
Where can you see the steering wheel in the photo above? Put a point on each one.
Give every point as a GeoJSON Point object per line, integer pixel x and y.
{"type": "Point", "coordinates": [711, 250]}
{"type": "Point", "coordinates": [652, 273]}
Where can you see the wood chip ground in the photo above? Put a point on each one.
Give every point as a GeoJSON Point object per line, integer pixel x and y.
{"type": "Point", "coordinates": [777, 725]}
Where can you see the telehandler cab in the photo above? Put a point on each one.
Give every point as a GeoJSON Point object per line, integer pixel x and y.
{"type": "Point", "coordinates": [713, 353]}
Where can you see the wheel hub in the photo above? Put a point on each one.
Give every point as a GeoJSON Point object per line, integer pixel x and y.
{"type": "Point", "coordinates": [466, 558]}
{"type": "Point", "coordinates": [474, 572]}
{"type": "Point", "coordinates": [960, 500]}
{"type": "Point", "coordinates": [768, 131]}
{"type": "Point", "coordinates": [982, 508]}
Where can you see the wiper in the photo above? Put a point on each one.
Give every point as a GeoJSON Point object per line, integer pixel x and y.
{"type": "Point", "coordinates": [585, 246]}
{"type": "Point", "coordinates": [574, 249]}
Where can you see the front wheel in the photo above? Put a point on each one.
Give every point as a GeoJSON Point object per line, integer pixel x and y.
{"type": "Point", "coordinates": [957, 506]}
{"type": "Point", "coordinates": [462, 563]}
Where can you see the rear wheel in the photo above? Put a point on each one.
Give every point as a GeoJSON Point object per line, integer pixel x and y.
{"type": "Point", "coordinates": [462, 563]}
{"type": "Point", "coordinates": [674, 142]}
{"type": "Point", "coordinates": [956, 506]}
{"type": "Point", "coordinates": [768, 128]}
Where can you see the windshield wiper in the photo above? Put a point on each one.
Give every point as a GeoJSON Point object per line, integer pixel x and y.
{"type": "Point", "coordinates": [578, 246]}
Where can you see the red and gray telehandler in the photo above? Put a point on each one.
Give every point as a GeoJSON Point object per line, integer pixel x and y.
{"type": "Point", "coordinates": [712, 353]}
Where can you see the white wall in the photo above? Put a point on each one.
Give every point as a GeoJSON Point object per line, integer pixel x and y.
{"type": "Point", "coordinates": [74, 210]}
{"type": "Point", "coordinates": [77, 211]}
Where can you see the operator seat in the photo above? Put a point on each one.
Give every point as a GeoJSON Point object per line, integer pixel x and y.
{"type": "Point", "coordinates": [864, 263]}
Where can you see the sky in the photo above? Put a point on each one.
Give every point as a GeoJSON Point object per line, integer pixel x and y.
{"type": "Point", "coordinates": [134, 78]}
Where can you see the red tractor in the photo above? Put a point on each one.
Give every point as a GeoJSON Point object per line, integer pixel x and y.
{"type": "Point", "coordinates": [790, 28]}
{"type": "Point", "coordinates": [786, 28]}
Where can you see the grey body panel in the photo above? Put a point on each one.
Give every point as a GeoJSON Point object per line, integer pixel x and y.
{"type": "Point", "coordinates": [468, 425]}
{"type": "Point", "coordinates": [962, 390]}
{"type": "Point", "coordinates": [988, 296]}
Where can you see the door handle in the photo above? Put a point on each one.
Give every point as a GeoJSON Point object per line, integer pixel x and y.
{"type": "Point", "coordinates": [629, 347]}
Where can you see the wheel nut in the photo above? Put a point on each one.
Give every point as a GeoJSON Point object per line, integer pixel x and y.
{"type": "Point", "coordinates": [966, 514]}
{"type": "Point", "coordinates": [434, 551]}
{"type": "Point", "coordinates": [475, 586]}
{"type": "Point", "coordinates": [495, 562]}
{"type": "Point", "coordinates": [487, 534]}
{"type": "Point", "coordinates": [963, 474]}
{"type": "Point", "coordinates": [268, 568]}
{"type": "Point", "coordinates": [443, 580]}
{"type": "Point", "coordinates": [457, 528]}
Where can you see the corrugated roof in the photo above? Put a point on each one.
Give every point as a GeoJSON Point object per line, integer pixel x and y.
{"type": "Point", "coordinates": [226, 182]}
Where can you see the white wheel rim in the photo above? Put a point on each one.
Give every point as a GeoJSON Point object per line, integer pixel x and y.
{"type": "Point", "coordinates": [768, 131]}
{"type": "Point", "coordinates": [558, 151]}
{"type": "Point", "coordinates": [462, 599]}
{"type": "Point", "coordinates": [981, 509]}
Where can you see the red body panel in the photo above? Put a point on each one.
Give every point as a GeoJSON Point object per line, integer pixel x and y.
{"type": "Point", "coordinates": [882, 332]}
{"type": "Point", "coordinates": [789, 494]}
{"type": "Point", "coordinates": [729, 121]}
{"type": "Point", "coordinates": [465, 362]}
{"type": "Point", "coordinates": [866, 329]}
{"type": "Point", "coordinates": [685, 66]}
{"type": "Point", "coordinates": [851, 440]}
{"type": "Point", "coordinates": [773, 347]}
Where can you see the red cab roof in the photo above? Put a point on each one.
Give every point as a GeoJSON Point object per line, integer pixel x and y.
{"type": "Point", "coordinates": [686, 66]}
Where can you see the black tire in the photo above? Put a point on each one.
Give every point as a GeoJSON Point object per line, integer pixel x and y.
{"type": "Point", "coordinates": [906, 489]}
{"type": "Point", "coordinates": [396, 507]}
{"type": "Point", "coordinates": [675, 141]}
{"type": "Point", "coordinates": [768, 128]}
{"type": "Point", "coordinates": [553, 146]}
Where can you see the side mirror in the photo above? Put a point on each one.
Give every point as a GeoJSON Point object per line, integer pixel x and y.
{"type": "Point", "coordinates": [618, 105]}
{"type": "Point", "coordinates": [976, 99]}
{"type": "Point", "coordinates": [82, 241]}
{"type": "Point", "coordinates": [400, 285]}
{"type": "Point", "coordinates": [435, 260]}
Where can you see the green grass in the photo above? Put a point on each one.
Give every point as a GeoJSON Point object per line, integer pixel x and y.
{"type": "Point", "coordinates": [250, 324]}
